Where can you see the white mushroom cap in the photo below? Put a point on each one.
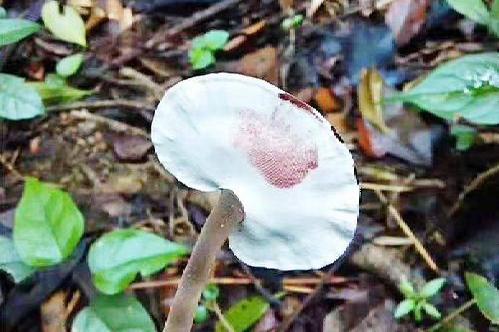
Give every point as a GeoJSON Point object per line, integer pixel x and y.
{"type": "Point", "coordinates": [293, 175]}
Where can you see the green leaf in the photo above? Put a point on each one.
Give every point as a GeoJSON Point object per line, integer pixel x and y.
{"type": "Point", "coordinates": [118, 313]}
{"type": "Point", "coordinates": [117, 257]}
{"type": "Point", "coordinates": [431, 310]}
{"type": "Point", "coordinates": [244, 314]}
{"type": "Point", "coordinates": [66, 25]}
{"type": "Point", "coordinates": [467, 87]}
{"type": "Point", "coordinates": [201, 58]}
{"type": "Point", "coordinates": [55, 90]}
{"type": "Point", "coordinates": [201, 315]}
{"type": "Point", "coordinates": [418, 316]}
{"type": "Point", "coordinates": [486, 296]}
{"type": "Point", "coordinates": [292, 22]}
{"type": "Point", "coordinates": [211, 293]}
{"type": "Point", "coordinates": [17, 99]}
{"type": "Point", "coordinates": [465, 136]}
{"type": "Point", "coordinates": [494, 9]}
{"type": "Point", "coordinates": [407, 289]}
{"type": "Point", "coordinates": [213, 40]}
{"type": "Point", "coordinates": [472, 9]}
{"type": "Point", "coordinates": [13, 30]}
{"type": "Point", "coordinates": [432, 287]}
{"type": "Point", "coordinates": [10, 261]}
{"type": "Point", "coordinates": [47, 226]}
{"type": "Point", "coordinates": [404, 307]}
{"type": "Point", "coordinates": [69, 65]}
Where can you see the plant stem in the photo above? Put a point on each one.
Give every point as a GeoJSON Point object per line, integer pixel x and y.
{"type": "Point", "coordinates": [452, 315]}
{"type": "Point", "coordinates": [220, 223]}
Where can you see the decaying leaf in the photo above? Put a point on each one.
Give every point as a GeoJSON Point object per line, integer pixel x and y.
{"type": "Point", "coordinates": [370, 93]}
{"type": "Point", "coordinates": [408, 137]}
{"type": "Point", "coordinates": [326, 101]}
{"type": "Point", "coordinates": [405, 18]}
{"type": "Point", "coordinates": [261, 63]}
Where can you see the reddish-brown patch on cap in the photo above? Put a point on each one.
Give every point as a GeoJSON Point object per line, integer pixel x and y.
{"type": "Point", "coordinates": [283, 157]}
{"type": "Point", "coordinates": [298, 103]}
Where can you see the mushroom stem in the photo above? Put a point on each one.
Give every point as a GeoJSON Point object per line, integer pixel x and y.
{"type": "Point", "coordinates": [220, 223]}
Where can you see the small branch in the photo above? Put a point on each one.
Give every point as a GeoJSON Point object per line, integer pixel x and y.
{"type": "Point", "coordinates": [221, 222]}
{"type": "Point", "coordinates": [287, 282]}
{"type": "Point", "coordinates": [407, 231]}
{"type": "Point", "coordinates": [101, 104]}
{"type": "Point", "coordinates": [10, 167]}
{"type": "Point", "coordinates": [191, 21]}
{"type": "Point", "coordinates": [112, 124]}
{"type": "Point", "coordinates": [452, 315]}
{"type": "Point", "coordinates": [221, 317]}
{"type": "Point", "coordinates": [288, 322]}
{"type": "Point", "coordinates": [477, 182]}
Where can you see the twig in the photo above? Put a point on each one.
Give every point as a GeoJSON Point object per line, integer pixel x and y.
{"type": "Point", "coordinates": [288, 322]}
{"type": "Point", "coordinates": [407, 231]}
{"type": "Point", "coordinates": [477, 182]}
{"type": "Point", "coordinates": [452, 315]}
{"type": "Point", "coordinates": [191, 21]}
{"type": "Point", "coordinates": [145, 80]}
{"type": "Point", "coordinates": [112, 124]}
{"type": "Point", "coordinates": [404, 187]}
{"type": "Point", "coordinates": [101, 104]}
{"type": "Point", "coordinates": [10, 167]}
{"type": "Point", "coordinates": [221, 317]}
{"type": "Point", "coordinates": [259, 287]}
{"type": "Point", "coordinates": [220, 223]}
{"type": "Point", "coordinates": [287, 282]}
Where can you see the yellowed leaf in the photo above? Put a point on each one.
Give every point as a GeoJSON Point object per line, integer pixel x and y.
{"type": "Point", "coordinates": [370, 93]}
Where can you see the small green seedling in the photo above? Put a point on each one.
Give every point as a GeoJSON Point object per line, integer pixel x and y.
{"type": "Point", "coordinates": [418, 302]}
{"type": "Point", "coordinates": [202, 53]}
{"type": "Point", "coordinates": [292, 22]}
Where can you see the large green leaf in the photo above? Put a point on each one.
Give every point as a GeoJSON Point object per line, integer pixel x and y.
{"type": "Point", "coordinates": [118, 313]}
{"type": "Point", "coordinates": [17, 99]}
{"type": "Point", "coordinates": [69, 65]}
{"type": "Point", "coordinates": [13, 30]}
{"type": "Point", "coordinates": [66, 25]}
{"type": "Point", "coordinates": [467, 87]}
{"type": "Point", "coordinates": [244, 314]}
{"type": "Point", "coordinates": [472, 9]}
{"type": "Point", "coordinates": [10, 261]}
{"type": "Point", "coordinates": [117, 257]}
{"type": "Point", "coordinates": [486, 296]}
{"type": "Point", "coordinates": [47, 226]}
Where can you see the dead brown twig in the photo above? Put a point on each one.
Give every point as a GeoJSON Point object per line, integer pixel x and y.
{"type": "Point", "coordinates": [191, 21]}
{"type": "Point", "coordinates": [101, 104]}
{"type": "Point", "coordinates": [288, 282]}
{"type": "Point", "coordinates": [112, 124]}
{"type": "Point", "coordinates": [472, 186]}
{"type": "Point", "coordinates": [407, 231]}
{"type": "Point", "coordinates": [10, 167]}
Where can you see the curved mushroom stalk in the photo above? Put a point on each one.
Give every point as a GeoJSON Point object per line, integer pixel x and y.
{"type": "Point", "coordinates": [289, 169]}
{"type": "Point", "coordinates": [221, 222]}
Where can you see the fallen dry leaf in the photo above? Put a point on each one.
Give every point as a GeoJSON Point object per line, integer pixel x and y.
{"type": "Point", "coordinates": [261, 64]}
{"type": "Point", "coordinates": [131, 148]}
{"type": "Point", "coordinates": [53, 313]}
{"type": "Point", "coordinates": [405, 18]}
{"type": "Point", "coordinates": [326, 101]}
{"type": "Point", "coordinates": [370, 93]}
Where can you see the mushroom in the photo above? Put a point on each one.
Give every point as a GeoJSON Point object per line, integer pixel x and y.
{"type": "Point", "coordinates": [289, 194]}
